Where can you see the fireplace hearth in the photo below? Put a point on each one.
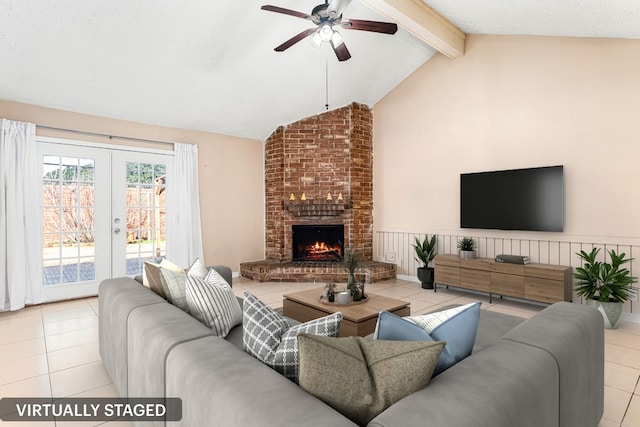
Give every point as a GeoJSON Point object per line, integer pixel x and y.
{"type": "Point", "coordinates": [318, 242]}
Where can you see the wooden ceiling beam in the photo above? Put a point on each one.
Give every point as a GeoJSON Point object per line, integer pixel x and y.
{"type": "Point", "coordinates": [423, 22]}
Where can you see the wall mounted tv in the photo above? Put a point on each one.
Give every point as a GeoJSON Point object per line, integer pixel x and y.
{"type": "Point", "coordinates": [517, 199]}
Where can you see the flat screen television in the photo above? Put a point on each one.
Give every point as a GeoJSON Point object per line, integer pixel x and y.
{"type": "Point", "coordinates": [517, 199]}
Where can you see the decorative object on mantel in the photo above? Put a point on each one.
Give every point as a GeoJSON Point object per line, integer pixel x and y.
{"type": "Point", "coordinates": [605, 286]}
{"type": "Point", "coordinates": [467, 248]}
{"type": "Point", "coordinates": [303, 197]}
{"type": "Point", "coordinates": [329, 197]}
{"type": "Point", "coordinates": [292, 197]}
{"type": "Point", "coordinates": [426, 251]}
{"type": "Point", "coordinates": [340, 196]}
{"type": "Point", "coordinates": [316, 208]}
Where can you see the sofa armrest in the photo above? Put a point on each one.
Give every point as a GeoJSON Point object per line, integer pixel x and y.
{"type": "Point", "coordinates": [506, 384]}
{"type": "Point", "coordinates": [574, 335]}
{"type": "Point", "coordinates": [117, 298]}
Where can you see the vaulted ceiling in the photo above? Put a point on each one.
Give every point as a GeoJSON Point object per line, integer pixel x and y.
{"type": "Point", "coordinates": [210, 65]}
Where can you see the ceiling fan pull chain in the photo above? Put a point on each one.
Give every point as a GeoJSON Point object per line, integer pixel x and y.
{"type": "Point", "coordinates": [326, 73]}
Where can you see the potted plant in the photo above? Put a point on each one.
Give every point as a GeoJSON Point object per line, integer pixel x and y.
{"type": "Point", "coordinates": [426, 251]}
{"type": "Point", "coordinates": [350, 263]}
{"type": "Point", "coordinates": [331, 291]}
{"type": "Point", "coordinates": [604, 285]}
{"type": "Point", "coordinates": [467, 248]}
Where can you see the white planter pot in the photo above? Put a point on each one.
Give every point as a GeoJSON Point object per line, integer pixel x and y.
{"type": "Point", "coordinates": [611, 312]}
{"type": "Point", "coordinates": [467, 254]}
{"type": "Point", "coordinates": [343, 297]}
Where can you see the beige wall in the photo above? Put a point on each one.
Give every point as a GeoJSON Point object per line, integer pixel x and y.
{"type": "Point", "coordinates": [230, 173]}
{"type": "Point", "coordinates": [514, 102]}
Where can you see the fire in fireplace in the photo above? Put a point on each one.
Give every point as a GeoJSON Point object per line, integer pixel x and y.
{"type": "Point", "coordinates": [318, 242]}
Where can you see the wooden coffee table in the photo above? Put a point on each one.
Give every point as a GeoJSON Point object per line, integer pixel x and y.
{"type": "Point", "coordinates": [357, 319]}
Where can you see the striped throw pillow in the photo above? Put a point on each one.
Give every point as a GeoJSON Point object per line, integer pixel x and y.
{"type": "Point", "coordinates": [212, 301]}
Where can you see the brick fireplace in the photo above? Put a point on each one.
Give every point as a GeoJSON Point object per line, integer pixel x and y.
{"type": "Point", "coordinates": [319, 172]}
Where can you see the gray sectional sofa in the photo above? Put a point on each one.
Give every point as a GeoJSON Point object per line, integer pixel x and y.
{"type": "Point", "coordinates": [547, 371]}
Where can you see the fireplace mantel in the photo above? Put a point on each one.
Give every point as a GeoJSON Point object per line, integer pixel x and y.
{"type": "Point", "coordinates": [321, 208]}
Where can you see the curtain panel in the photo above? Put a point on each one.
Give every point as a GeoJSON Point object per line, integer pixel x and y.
{"type": "Point", "coordinates": [184, 232]}
{"type": "Point", "coordinates": [20, 236]}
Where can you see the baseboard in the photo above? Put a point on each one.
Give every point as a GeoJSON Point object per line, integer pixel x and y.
{"type": "Point", "coordinates": [631, 317]}
{"type": "Point", "coordinates": [407, 278]}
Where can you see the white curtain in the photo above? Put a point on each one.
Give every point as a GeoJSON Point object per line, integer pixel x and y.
{"type": "Point", "coordinates": [20, 237]}
{"type": "Point", "coordinates": [184, 233]}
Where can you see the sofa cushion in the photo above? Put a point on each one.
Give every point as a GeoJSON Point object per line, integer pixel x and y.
{"type": "Point", "coordinates": [360, 378]}
{"type": "Point", "coordinates": [269, 337]}
{"type": "Point", "coordinates": [457, 327]}
{"type": "Point", "coordinates": [212, 301]}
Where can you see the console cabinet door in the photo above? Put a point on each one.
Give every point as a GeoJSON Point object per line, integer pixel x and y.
{"type": "Point", "coordinates": [507, 284]}
{"type": "Point", "coordinates": [543, 290]}
{"type": "Point", "coordinates": [446, 275]}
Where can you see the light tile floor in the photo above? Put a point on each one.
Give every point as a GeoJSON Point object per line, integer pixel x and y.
{"type": "Point", "coordinates": [52, 349]}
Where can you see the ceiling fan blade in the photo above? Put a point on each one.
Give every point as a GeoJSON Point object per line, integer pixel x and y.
{"type": "Point", "coordinates": [341, 51]}
{"type": "Point", "coordinates": [295, 39]}
{"type": "Point", "coordinates": [374, 26]}
{"type": "Point", "coordinates": [337, 6]}
{"type": "Point", "coordinates": [282, 10]}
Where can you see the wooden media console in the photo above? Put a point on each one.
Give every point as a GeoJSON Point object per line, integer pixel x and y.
{"type": "Point", "coordinates": [536, 282]}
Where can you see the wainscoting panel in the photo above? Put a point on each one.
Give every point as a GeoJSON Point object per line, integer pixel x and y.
{"type": "Point", "coordinates": [392, 245]}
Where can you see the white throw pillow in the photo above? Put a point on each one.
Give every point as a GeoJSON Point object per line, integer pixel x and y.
{"type": "Point", "coordinates": [198, 269]}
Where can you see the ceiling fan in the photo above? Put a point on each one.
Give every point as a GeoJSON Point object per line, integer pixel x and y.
{"type": "Point", "coordinates": [326, 16]}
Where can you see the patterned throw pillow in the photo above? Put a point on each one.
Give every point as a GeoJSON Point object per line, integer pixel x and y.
{"type": "Point", "coordinates": [457, 326]}
{"type": "Point", "coordinates": [174, 288]}
{"type": "Point", "coordinates": [270, 338]}
{"type": "Point", "coordinates": [360, 378]}
{"type": "Point", "coordinates": [212, 301]}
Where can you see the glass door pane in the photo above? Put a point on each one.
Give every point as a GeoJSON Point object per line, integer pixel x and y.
{"type": "Point", "coordinates": [68, 222]}
{"type": "Point", "coordinates": [140, 209]}
{"type": "Point", "coordinates": [75, 220]}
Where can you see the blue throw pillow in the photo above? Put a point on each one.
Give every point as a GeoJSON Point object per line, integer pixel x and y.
{"type": "Point", "coordinates": [457, 326]}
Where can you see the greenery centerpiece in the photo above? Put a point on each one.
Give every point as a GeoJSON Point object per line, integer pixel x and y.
{"type": "Point", "coordinates": [467, 248]}
{"type": "Point", "coordinates": [331, 291]}
{"type": "Point", "coordinates": [426, 251]}
{"type": "Point", "coordinates": [350, 263]}
{"type": "Point", "coordinates": [604, 285]}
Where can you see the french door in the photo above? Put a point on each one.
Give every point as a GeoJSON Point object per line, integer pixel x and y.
{"type": "Point", "coordinates": [103, 214]}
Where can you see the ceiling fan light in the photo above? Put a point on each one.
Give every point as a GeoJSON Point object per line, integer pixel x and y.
{"type": "Point", "coordinates": [326, 33]}
{"type": "Point", "coordinates": [316, 40]}
{"type": "Point", "coordinates": [336, 39]}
